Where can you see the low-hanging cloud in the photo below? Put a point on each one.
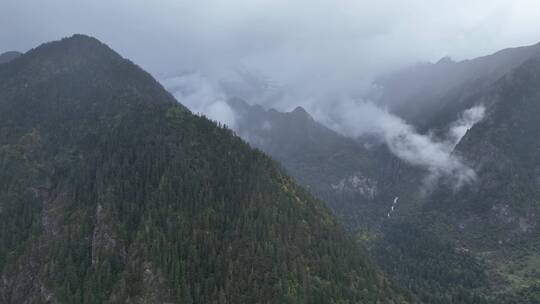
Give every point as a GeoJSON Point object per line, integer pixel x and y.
{"type": "Point", "coordinates": [423, 150]}
{"type": "Point", "coordinates": [202, 96]}
{"type": "Point", "coordinates": [352, 118]}
{"type": "Point", "coordinates": [467, 119]}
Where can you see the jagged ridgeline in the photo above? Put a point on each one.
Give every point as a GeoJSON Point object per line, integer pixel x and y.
{"type": "Point", "coordinates": [112, 192]}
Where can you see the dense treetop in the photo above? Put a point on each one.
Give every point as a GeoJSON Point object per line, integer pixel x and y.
{"type": "Point", "coordinates": [111, 191]}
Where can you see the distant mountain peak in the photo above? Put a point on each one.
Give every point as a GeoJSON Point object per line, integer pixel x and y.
{"type": "Point", "coordinates": [300, 111]}
{"type": "Point", "coordinates": [76, 50]}
{"type": "Point", "coordinates": [89, 65]}
{"type": "Point", "coordinates": [446, 60]}
{"type": "Point", "coordinates": [237, 103]}
{"type": "Point", "coordinates": [80, 38]}
{"type": "Point", "coordinates": [8, 56]}
{"type": "Point", "coordinates": [78, 41]}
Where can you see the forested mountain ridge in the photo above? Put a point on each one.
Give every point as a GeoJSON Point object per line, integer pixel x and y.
{"type": "Point", "coordinates": [503, 148]}
{"type": "Point", "coordinates": [430, 94]}
{"type": "Point", "coordinates": [8, 56]}
{"type": "Point", "coordinates": [497, 217]}
{"type": "Point", "coordinates": [358, 179]}
{"type": "Point", "coordinates": [477, 244]}
{"type": "Point", "coordinates": [375, 194]}
{"type": "Point", "coordinates": [112, 192]}
{"type": "Point", "coordinates": [335, 168]}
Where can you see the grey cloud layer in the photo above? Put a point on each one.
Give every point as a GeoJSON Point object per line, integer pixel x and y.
{"type": "Point", "coordinates": [294, 42]}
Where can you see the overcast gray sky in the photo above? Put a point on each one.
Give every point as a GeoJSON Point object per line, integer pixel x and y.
{"type": "Point", "coordinates": [290, 40]}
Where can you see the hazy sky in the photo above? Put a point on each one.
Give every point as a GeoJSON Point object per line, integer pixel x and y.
{"type": "Point", "coordinates": [289, 40]}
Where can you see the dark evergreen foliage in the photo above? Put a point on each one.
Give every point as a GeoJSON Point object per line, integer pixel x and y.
{"type": "Point", "coordinates": [432, 270]}
{"type": "Point", "coordinates": [110, 191]}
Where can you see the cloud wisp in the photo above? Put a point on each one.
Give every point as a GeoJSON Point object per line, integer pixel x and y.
{"type": "Point", "coordinates": [421, 150]}
{"type": "Point", "coordinates": [202, 96]}
{"type": "Point", "coordinates": [466, 121]}
{"type": "Point", "coordinates": [349, 117]}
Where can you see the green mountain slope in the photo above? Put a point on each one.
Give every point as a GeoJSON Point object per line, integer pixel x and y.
{"type": "Point", "coordinates": [475, 245]}
{"type": "Point", "coordinates": [495, 220]}
{"type": "Point", "coordinates": [498, 216]}
{"type": "Point", "coordinates": [338, 170]}
{"type": "Point", "coordinates": [112, 192]}
{"type": "Point", "coordinates": [360, 184]}
{"type": "Point", "coordinates": [8, 56]}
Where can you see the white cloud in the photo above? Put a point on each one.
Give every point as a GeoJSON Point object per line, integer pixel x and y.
{"type": "Point", "coordinates": [301, 42]}
{"type": "Point", "coordinates": [468, 119]}
{"type": "Point", "coordinates": [423, 150]}
{"type": "Point", "coordinates": [202, 96]}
